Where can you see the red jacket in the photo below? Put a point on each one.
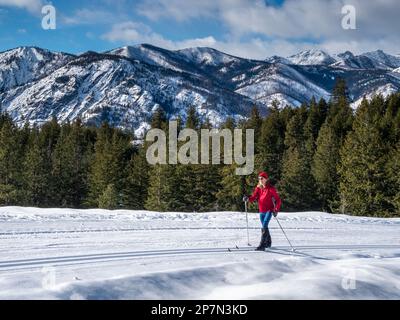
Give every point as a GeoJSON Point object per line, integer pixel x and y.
{"type": "Point", "coordinates": [266, 197]}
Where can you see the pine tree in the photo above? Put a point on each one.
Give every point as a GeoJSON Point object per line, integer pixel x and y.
{"type": "Point", "coordinates": [340, 115]}
{"type": "Point", "coordinates": [229, 123]}
{"type": "Point", "coordinates": [71, 161]}
{"type": "Point", "coordinates": [229, 187]}
{"type": "Point", "coordinates": [255, 122]}
{"type": "Point", "coordinates": [340, 92]}
{"type": "Point", "coordinates": [363, 183]}
{"type": "Point", "coordinates": [297, 184]}
{"type": "Point", "coordinates": [158, 119]}
{"type": "Point", "coordinates": [393, 179]}
{"type": "Point", "coordinates": [136, 187]}
{"type": "Point", "coordinates": [36, 176]}
{"type": "Point", "coordinates": [109, 198]}
{"type": "Point", "coordinates": [272, 145]}
{"type": "Point", "coordinates": [10, 164]}
{"type": "Point", "coordinates": [159, 189]}
{"type": "Point", "coordinates": [338, 123]}
{"type": "Point", "coordinates": [47, 140]}
{"type": "Point", "coordinates": [324, 168]}
{"type": "Point", "coordinates": [233, 187]}
{"type": "Point", "coordinates": [193, 119]}
{"type": "Point", "coordinates": [111, 153]}
{"type": "Point", "coordinates": [315, 119]}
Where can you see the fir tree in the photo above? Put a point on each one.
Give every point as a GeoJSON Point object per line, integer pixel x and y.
{"type": "Point", "coordinates": [47, 140]}
{"type": "Point", "coordinates": [316, 117]}
{"type": "Point", "coordinates": [10, 164]}
{"type": "Point", "coordinates": [272, 145]}
{"type": "Point", "coordinates": [193, 119]}
{"type": "Point", "coordinates": [297, 184]}
{"type": "Point", "coordinates": [71, 161]}
{"type": "Point", "coordinates": [159, 190]}
{"type": "Point", "coordinates": [135, 192]}
{"type": "Point", "coordinates": [36, 175]}
{"type": "Point", "coordinates": [233, 187]}
{"type": "Point", "coordinates": [331, 137]}
{"type": "Point", "coordinates": [158, 119]}
{"type": "Point", "coordinates": [255, 122]}
{"type": "Point", "coordinates": [363, 183]}
{"type": "Point", "coordinates": [111, 153]}
{"type": "Point", "coordinates": [324, 168]}
{"type": "Point", "coordinates": [109, 198]}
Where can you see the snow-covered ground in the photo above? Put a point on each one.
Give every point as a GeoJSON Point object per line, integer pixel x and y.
{"type": "Point", "coordinates": [100, 254]}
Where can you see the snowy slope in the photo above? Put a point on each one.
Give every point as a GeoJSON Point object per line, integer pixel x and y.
{"type": "Point", "coordinates": [98, 87]}
{"type": "Point", "coordinates": [24, 64]}
{"type": "Point", "coordinates": [100, 254]}
{"type": "Point", "coordinates": [277, 59]}
{"type": "Point", "coordinates": [384, 91]}
{"type": "Point", "coordinates": [383, 59]}
{"type": "Point", "coordinates": [312, 57]}
{"type": "Point", "coordinates": [370, 60]}
{"type": "Point", "coordinates": [124, 85]}
{"type": "Point", "coordinates": [279, 82]}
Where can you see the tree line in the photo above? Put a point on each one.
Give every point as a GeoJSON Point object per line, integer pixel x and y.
{"type": "Point", "coordinates": [322, 155]}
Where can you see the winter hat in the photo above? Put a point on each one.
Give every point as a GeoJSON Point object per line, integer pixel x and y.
{"type": "Point", "coordinates": [263, 174]}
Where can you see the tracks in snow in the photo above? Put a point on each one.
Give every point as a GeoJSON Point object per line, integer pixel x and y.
{"type": "Point", "coordinates": [104, 257]}
{"type": "Point", "coordinates": [17, 233]}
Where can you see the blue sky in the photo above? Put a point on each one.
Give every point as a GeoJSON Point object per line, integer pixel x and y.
{"type": "Point", "coordinates": [248, 28]}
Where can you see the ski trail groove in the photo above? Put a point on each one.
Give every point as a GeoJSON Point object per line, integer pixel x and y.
{"type": "Point", "coordinates": [104, 257]}
{"type": "Point", "coordinates": [11, 233]}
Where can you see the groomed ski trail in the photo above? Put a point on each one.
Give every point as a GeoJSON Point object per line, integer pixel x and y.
{"type": "Point", "coordinates": [105, 257]}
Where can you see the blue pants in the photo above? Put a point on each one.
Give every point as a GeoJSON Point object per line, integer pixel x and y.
{"type": "Point", "coordinates": [265, 219]}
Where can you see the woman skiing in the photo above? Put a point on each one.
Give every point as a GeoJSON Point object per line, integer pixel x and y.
{"type": "Point", "coordinates": [269, 204]}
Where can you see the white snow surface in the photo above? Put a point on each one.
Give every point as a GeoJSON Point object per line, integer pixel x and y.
{"type": "Point", "coordinates": [311, 57]}
{"type": "Point", "coordinates": [122, 254]}
{"type": "Point", "coordinates": [385, 91]}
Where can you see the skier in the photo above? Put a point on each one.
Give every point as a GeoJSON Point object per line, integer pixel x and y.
{"type": "Point", "coordinates": [269, 204]}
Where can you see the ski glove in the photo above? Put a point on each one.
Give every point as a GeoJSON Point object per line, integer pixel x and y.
{"type": "Point", "coordinates": [245, 198]}
{"type": "Point", "coordinates": [275, 213]}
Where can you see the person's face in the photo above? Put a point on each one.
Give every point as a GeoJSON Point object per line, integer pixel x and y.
{"type": "Point", "coordinates": [263, 180]}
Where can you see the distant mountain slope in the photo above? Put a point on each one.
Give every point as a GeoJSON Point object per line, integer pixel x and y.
{"type": "Point", "coordinates": [124, 85]}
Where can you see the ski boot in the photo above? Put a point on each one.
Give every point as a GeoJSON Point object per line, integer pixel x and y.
{"type": "Point", "coordinates": [268, 240]}
{"type": "Point", "coordinates": [263, 242]}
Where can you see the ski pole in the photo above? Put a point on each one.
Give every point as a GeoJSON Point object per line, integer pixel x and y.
{"type": "Point", "coordinates": [293, 249]}
{"type": "Point", "coordinates": [247, 223]}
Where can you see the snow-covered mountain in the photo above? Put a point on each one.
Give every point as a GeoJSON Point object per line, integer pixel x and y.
{"type": "Point", "coordinates": [383, 59]}
{"type": "Point", "coordinates": [25, 64]}
{"type": "Point", "coordinates": [370, 60]}
{"type": "Point", "coordinates": [98, 87]}
{"type": "Point", "coordinates": [125, 85]}
{"type": "Point", "coordinates": [312, 57]}
{"type": "Point", "coordinates": [277, 59]}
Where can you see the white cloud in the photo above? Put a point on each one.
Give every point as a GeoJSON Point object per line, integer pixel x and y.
{"type": "Point", "coordinates": [89, 16]}
{"type": "Point", "coordinates": [135, 33]}
{"type": "Point", "coordinates": [179, 10]}
{"type": "Point", "coordinates": [31, 5]}
{"type": "Point", "coordinates": [292, 22]}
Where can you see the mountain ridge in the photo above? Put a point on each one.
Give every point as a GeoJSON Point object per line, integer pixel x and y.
{"type": "Point", "coordinates": [125, 85]}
